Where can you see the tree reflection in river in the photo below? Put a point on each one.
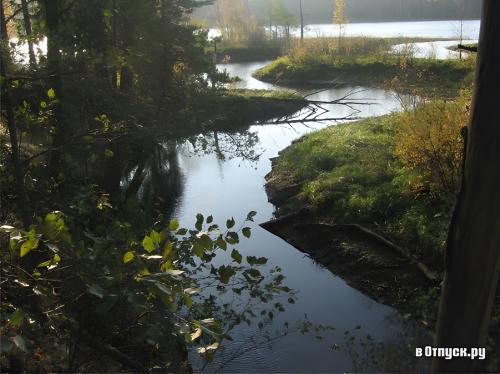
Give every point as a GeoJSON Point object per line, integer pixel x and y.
{"type": "Point", "coordinates": [394, 354]}
{"type": "Point", "coordinates": [227, 146]}
{"type": "Point", "coordinates": [153, 175]}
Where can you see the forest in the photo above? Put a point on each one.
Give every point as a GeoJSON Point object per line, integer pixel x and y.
{"type": "Point", "coordinates": [319, 11]}
{"type": "Point", "coordinates": [249, 186]}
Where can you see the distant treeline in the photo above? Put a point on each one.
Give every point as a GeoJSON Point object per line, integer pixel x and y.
{"type": "Point", "coordinates": [320, 11]}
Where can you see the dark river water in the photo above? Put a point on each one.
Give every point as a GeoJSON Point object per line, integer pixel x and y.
{"type": "Point", "coordinates": [234, 186]}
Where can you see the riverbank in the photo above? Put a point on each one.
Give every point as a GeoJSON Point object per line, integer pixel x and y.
{"type": "Point", "coordinates": [348, 174]}
{"type": "Point", "coordinates": [242, 53]}
{"type": "Point", "coordinates": [368, 63]}
{"type": "Point", "coordinates": [347, 200]}
{"type": "Point", "coordinates": [237, 109]}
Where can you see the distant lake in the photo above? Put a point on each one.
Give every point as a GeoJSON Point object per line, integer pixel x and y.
{"type": "Point", "coordinates": [448, 29]}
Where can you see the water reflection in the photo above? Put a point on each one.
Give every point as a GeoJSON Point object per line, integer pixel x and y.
{"type": "Point", "coordinates": [439, 50]}
{"type": "Point", "coordinates": [153, 176]}
{"type": "Point", "coordinates": [225, 186]}
{"type": "Point", "coordinates": [223, 175]}
{"type": "Point", "coordinates": [448, 29]}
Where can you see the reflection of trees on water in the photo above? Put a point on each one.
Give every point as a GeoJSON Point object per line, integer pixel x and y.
{"type": "Point", "coordinates": [396, 353]}
{"type": "Point", "coordinates": [150, 170]}
{"type": "Point", "coordinates": [153, 175]}
{"type": "Point", "coordinates": [242, 145]}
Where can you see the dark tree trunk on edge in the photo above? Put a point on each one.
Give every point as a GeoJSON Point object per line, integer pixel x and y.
{"type": "Point", "coordinates": [473, 250]}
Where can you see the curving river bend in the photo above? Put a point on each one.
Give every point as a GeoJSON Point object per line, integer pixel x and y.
{"type": "Point", "coordinates": [232, 188]}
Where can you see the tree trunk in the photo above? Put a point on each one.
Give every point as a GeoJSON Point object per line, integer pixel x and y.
{"type": "Point", "coordinates": [29, 33]}
{"type": "Point", "coordinates": [8, 106]}
{"type": "Point", "coordinates": [473, 249]}
{"type": "Point", "coordinates": [301, 22]}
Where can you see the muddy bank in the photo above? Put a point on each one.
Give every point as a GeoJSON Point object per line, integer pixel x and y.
{"type": "Point", "coordinates": [365, 260]}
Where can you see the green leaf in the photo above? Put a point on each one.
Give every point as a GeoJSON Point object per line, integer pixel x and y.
{"type": "Point", "coordinates": [106, 13]}
{"type": "Point", "coordinates": [206, 242]}
{"type": "Point", "coordinates": [225, 273]}
{"type": "Point", "coordinates": [155, 236]}
{"type": "Point", "coordinates": [236, 256]}
{"type": "Point", "coordinates": [199, 221]}
{"type": "Point", "coordinates": [198, 249]}
{"type": "Point", "coordinates": [51, 93]}
{"type": "Point", "coordinates": [221, 243]}
{"type": "Point", "coordinates": [16, 318]}
{"type": "Point", "coordinates": [128, 256]}
{"type": "Point", "coordinates": [252, 260]}
{"type": "Point", "coordinates": [210, 219]}
{"type": "Point", "coordinates": [247, 232]}
{"type": "Point", "coordinates": [167, 250]}
{"type": "Point", "coordinates": [174, 225]}
{"type": "Point", "coordinates": [230, 223]}
{"type": "Point", "coordinates": [148, 244]}
{"type": "Point", "coordinates": [251, 216]}
{"type": "Point", "coordinates": [44, 264]}
{"type": "Point", "coordinates": [232, 238]}
{"type": "Point", "coordinates": [43, 104]}
{"type": "Point", "coordinates": [28, 246]}
{"type": "Point", "coordinates": [181, 232]}
{"type": "Point", "coordinates": [109, 153]}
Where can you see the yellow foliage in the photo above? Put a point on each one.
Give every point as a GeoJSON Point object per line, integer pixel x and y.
{"type": "Point", "coordinates": [429, 141]}
{"type": "Point", "coordinates": [179, 67]}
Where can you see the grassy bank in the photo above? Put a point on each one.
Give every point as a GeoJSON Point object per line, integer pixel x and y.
{"type": "Point", "coordinates": [367, 62]}
{"type": "Point", "coordinates": [349, 173]}
{"type": "Point", "coordinates": [248, 53]}
{"type": "Point", "coordinates": [236, 109]}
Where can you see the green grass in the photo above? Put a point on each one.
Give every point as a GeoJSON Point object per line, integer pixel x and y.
{"type": "Point", "coordinates": [366, 62]}
{"type": "Point", "coordinates": [278, 94]}
{"type": "Point", "coordinates": [369, 70]}
{"type": "Point", "coordinates": [349, 174]}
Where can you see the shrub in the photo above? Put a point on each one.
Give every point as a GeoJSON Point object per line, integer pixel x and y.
{"type": "Point", "coordinates": [429, 142]}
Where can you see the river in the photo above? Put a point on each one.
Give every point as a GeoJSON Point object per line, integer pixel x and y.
{"type": "Point", "coordinates": [233, 187]}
